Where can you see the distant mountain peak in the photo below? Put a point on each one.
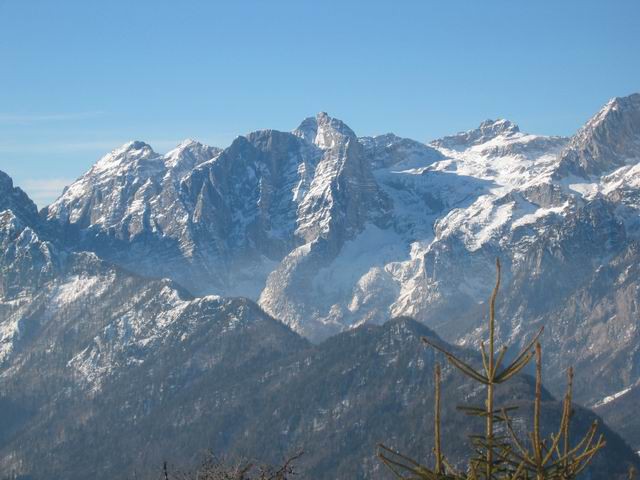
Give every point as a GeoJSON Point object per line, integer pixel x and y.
{"type": "Point", "coordinates": [192, 144]}
{"type": "Point", "coordinates": [323, 130]}
{"type": "Point", "coordinates": [133, 146]}
{"type": "Point", "coordinates": [14, 199]}
{"type": "Point", "coordinates": [617, 103]}
{"type": "Point", "coordinates": [616, 107]}
{"type": "Point", "coordinates": [610, 139]}
{"type": "Point", "coordinates": [188, 154]}
{"type": "Point", "coordinates": [124, 155]}
{"type": "Point", "coordinates": [6, 183]}
{"type": "Point", "coordinates": [497, 127]}
{"type": "Point", "coordinates": [389, 149]}
{"type": "Point", "coordinates": [188, 142]}
{"type": "Point", "coordinates": [486, 131]}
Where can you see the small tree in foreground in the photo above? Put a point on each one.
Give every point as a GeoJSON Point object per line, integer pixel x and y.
{"type": "Point", "coordinates": [506, 456]}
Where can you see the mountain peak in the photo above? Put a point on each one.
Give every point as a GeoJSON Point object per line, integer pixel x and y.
{"type": "Point", "coordinates": [389, 149]}
{"type": "Point", "coordinates": [124, 155]}
{"type": "Point", "coordinates": [323, 130]}
{"type": "Point", "coordinates": [610, 139]}
{"type": "Point", "coordinates": [191, 145]}
{"type": "Point", "coordinates": [619, 103]}
{"type": "Point", "coordinates": [133, 146]}
{"type": "Point", "coordinates": [616, 107]}
{"type": "Point", "coordinates": [6, 183]}
{"type": "Point", "coordinates": [486, 131]}
{"type": "Point", "coordinates": [17, 201]}
{"type": "Point", "coordinates": [497, 127]}
{"type": "Point", "coordinates": [188, 154]}
{"type": "Point", "coordinates": [188, 142]}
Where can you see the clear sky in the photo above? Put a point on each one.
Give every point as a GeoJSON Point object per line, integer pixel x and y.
{"type": "Point", "coordinates": [79, 77]}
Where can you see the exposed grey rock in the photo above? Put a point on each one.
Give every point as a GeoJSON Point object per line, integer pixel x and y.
{"type": "Point", "coordinates": [14, 199]}
{"type": "Point", "coordinates": [609, 140]}
{"type": "Point", "coordinates": [384, 151]}
{"type": "Point", "coordinates": [488, 130]}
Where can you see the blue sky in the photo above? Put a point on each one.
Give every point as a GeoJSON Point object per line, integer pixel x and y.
{"type": "Point", "coordinates": [78, 78]}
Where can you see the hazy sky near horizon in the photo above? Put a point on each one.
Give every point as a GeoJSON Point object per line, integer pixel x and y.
{"type": "Point", "coordinates": [78, 78]}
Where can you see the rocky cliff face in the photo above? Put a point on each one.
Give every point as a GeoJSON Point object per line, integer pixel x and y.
{"type": "Point", "coordinates": [609, 140]}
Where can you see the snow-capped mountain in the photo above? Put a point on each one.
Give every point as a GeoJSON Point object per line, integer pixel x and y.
{"type": "Point", "coordinates": [327, 231]}
{"type": "Point", "coordinates": [129, 208]}
{"type": "Point", "coordinates": [28, 258]}
{"type": "Point", "coordinates": [95, 358]}
{"type": "Point", "coordinates": [608, 140]}
{"type": "Point", "coordinates": [308, 222]}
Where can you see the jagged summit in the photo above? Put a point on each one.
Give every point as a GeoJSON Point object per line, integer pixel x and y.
{"type": "Point", "coordinates": [486, 131]}
{"type": "Point", "coordinates": [5, 182]}
{"type": "Point", "coordinates": [387, 150]}
{"type": "Point", "coordinates": [187, 155]}
{"type": "Point", "coordinates": [7, 189]}
{"type": "Point", "coordinates": [501, 126]}
{"type": "Point", "coordinates": [188, 145]}
{"type": "Point", "coordinates": [323, 130]}
{"type": "Point", "coordinates": [610, 139]}
{"type": "Point", "coordinates": [617, 105]}
{"type": "Point", "coordinates": [124, 157]}
{"type": "Point", "coordinates": [187, 142]}
{"type": "Point", "coordinates": [16, 200]}
{"type": "Point", "coordinates": [133, 148]}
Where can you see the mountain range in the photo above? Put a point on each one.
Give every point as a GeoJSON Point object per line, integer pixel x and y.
{"type": "Point", "coordinates": [206, 293]}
